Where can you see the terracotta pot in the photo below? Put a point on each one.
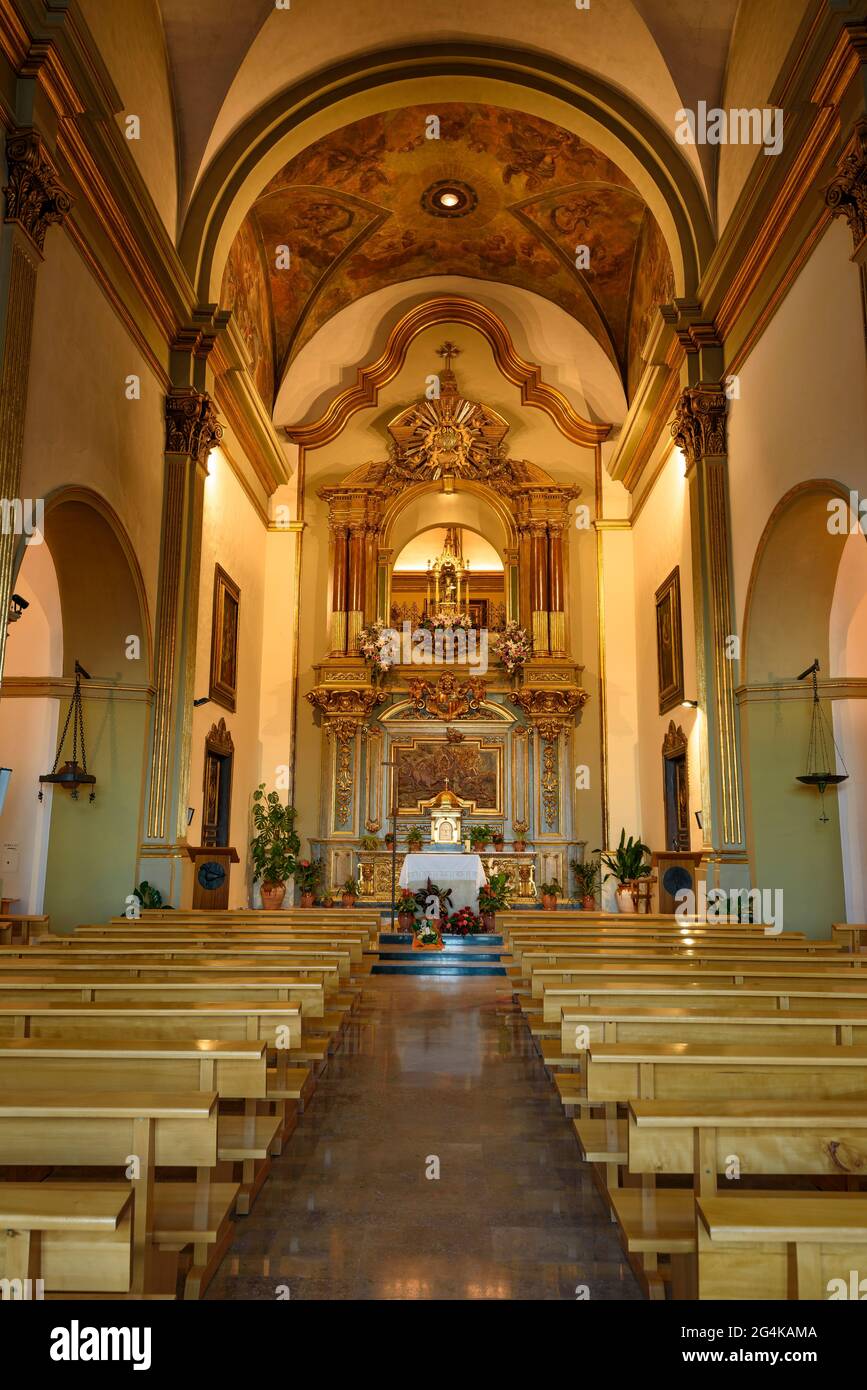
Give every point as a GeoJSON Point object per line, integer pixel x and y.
{"type": "Point", "coordinates": [414, 846]}
{"type": "Point", "coordinates": [623, 898]}
{"type": "Point", "coordinates": [328, 902]}
{"type": "Point", "coordinates": [489, 921]}
{"type": "Point", "coordinates": [478, 846]}
{"type": "Point", "coordinates": [273, 895]}
{"type": "Point", "coordinates": [348, 899]}
{"type": "Point", "coordinates": [405, 920]}
{"type": "Point", "coordinates": [307, 897]}
{"type": "Point", "coordinates": [549, 902]}
{"type": "Point", "coordinates": [519, 846]}
{"type": "Point", "coordinates": [589, 903]}
{"type": "Point", "coordinates": [389, 841]}
{"type": "Point", "coordinates": [499, 845]}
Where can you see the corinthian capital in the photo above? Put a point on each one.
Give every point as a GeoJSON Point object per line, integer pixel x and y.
{"type": "Point", "coordinates": [192, 427]}
{"type": "Point", "coordinates": [35, 197]}
{"type": "Point", "coordinates": [699, 426]}
{"type": "Point", "coordinates": [846, 195]}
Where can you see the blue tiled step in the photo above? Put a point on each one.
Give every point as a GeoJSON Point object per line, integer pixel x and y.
{"type": "Point", "coordinates": [448, 956]}
{"type": "Point", "coordinates": [452, 942]}
{"type": "Point", "coordinates": [429, 968]}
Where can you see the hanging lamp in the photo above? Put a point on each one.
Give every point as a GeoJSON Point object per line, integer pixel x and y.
{"type": "Point", "coordinates": [72, 774]}
{"type": "Point", "coordinates": [821, 762]}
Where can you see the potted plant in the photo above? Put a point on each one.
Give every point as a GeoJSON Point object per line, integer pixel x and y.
{"type": "Point", "coordinates": [427, 938]}
{"type": "Point", "coordinates": [626, 865]}
{"type": "Point", "coordinates": [426, 896]}
{"type": "Point", "coordinates": [369, 842]}
{"type": "Point", "coordinates": [519, 844]}
{"type": "Point", "coordinates": [389, 839]}
{"type": "Point", "coordinates": [406, 906]}
{"type": "Point", "coordinates": [549, 892]}
{"type": "Point", "coordinates": [307, 875]}
{"type": "Point", "coordinates": [493, 898]}
{"type": "Point", "coordinates": [274, 846]}
{"type": "Point", "coordinates": [499, 840]}
{"type": "Point", "coordinates": [147, 895]}
{"type": "Point", "coordinates": [479, 837]}
{"type": "Point", "coordinates": [586, 875]}
{"type": "Point", "coordinates": [328, 901]}
{"type": "Point", "coordinates": [349, 893]}
{"type": "Point", "coordinates": [414, 839]}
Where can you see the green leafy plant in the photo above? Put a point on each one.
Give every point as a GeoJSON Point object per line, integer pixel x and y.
{"type": "Point", "coordinates": [275, 844]}
{"type": "Point", "coordinates": [586, 876]}
{"type": "Point", "coordinates": [369, 842]}
{"type": "Point", "coordinates": [350, 886]}
{"type": "Point", "coordinates": [307, 875]}
{"type": "Point", "coordinates": [554, 889]}
{"type": "Point", "coordinates": [480, 834]}
{"type": "Point", "coordinates": [427, 934]}
{"type": "Point", "coordinates": [415, 836]}
{"type": "Point", "coordinates": [627, 862]}
{"type": "Point", "coordinates": [147, 895]}
{"type": "Point", "coordinates": [406, 902]}
{"type": "Point", "coordinates": [494, 895]}
{"type": "Point", "coordinates": [425, 896]}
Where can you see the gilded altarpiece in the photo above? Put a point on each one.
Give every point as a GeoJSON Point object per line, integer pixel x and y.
{"type": "Point", "coordinates": [501, 742]}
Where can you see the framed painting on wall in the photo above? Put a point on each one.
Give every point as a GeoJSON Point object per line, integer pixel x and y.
{"type": "Point", "coordinates": [224, 640]}
{"type": "Point", "coordinates": [669, 644]}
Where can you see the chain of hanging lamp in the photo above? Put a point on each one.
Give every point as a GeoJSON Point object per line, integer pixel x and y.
{"type": "Point", "coordinates": [821, 763]}
{"type": "Point", "coordinates": [75, 714]}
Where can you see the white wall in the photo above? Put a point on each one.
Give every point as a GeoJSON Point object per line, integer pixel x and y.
{"type": "Point", "coordinates": [28, 732]}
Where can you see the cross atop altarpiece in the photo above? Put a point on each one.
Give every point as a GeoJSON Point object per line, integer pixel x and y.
{"type": "Point", "coordinates": [448, 351]}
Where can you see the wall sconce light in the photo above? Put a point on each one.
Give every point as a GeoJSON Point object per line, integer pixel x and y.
{"type": "Point", "coordinates": [203, 700]}
{"type": "Point", "coordinates": [5, 779]}
{"type": "Point", "coordinates": [191, 811]}
{"type": "Point", "coordinates": [698, 820]}
{"type": "Point", "coordinates": [17, 605]}
{"type": "Point", "coordinates": [689, 704]}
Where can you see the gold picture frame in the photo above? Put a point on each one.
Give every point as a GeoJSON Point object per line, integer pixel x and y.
{"type": "Point", "coordinates": [473, 770]}
{"type": "Point", "coordinates": [669, 642]}
{"type": "Point", "coordinates": [224, 640]}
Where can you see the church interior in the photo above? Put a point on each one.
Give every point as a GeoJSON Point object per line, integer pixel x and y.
{"type": "Point", "coordinates": [432, 446]}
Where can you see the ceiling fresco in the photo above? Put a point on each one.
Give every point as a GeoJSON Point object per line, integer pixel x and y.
{"type": "Point", "coordinates": [354, 209]}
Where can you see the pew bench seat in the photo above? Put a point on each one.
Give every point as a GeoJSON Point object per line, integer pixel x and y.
{"type": "Point", "coordinates": [602, 1141]}
{"type": "Point", "coordinates": [554, 1055]}
{"type": "Point", "coordinates": [78, 1239]}
{"type": "Point", "coordinates": [771, 1247]}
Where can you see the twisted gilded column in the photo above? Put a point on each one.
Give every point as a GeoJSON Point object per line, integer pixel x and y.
{"type": "Point", "coordinates": [539, 606]}
{"type": "Point", "coordinates": [35, 200]}
{"type": "Point", "coordinates": [339, 574]}
{"type": "Point", "coordinates": [699, 429]}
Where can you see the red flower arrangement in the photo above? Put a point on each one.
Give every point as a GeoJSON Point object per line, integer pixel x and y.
{"type": "Point", "coordinates": [464, 922]}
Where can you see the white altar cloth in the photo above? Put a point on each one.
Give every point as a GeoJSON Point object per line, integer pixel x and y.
{"type": "Point", "coordinates": [463, 873]}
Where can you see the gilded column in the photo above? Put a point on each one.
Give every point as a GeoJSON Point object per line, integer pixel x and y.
{"type": "Point", "coordinates": [35, 201]}
{"type": "Point", "coordinates": [539, 605]}
{"type": "Point", "coordinates": [339, 574]}
{"type": "Point", "coordinates": [699, 429]}
{"type": "Point", "coordinates": [192, 430]}
{"type": "Point", "coordinates": [556, 589]}
{"type": "Point", "coordinates": [356, 585]}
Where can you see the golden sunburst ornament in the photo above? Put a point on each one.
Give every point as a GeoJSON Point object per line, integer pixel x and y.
{"type": "Point", "coordinates": [448, 435]}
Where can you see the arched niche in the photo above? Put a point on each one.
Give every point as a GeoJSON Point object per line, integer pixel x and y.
{"type": "Point", "coordinates": [90, 607]}
{"type": "Point", "coordinates": [788, 623]}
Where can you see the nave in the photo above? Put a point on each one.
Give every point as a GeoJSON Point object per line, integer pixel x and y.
{"type": "Point", "coordinates": [429, 1067]}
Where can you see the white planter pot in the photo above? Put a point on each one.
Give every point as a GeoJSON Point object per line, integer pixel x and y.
{"type": "Point", "coordinates": [624, 900]}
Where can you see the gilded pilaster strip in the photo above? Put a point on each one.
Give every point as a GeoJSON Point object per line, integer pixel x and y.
{"type": "Point", "coordinates": [13, 405]}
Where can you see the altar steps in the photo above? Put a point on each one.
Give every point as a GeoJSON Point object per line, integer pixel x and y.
{"type": "Point", "coordinates": [462, 957]}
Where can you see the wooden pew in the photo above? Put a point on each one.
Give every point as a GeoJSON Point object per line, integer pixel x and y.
{"type": "Point", "coordinates": [77, 1239]}
{"type": "Point", "coordinates": [59, 987]}
{"type": "Point", "coordinates": [351, 943]}
{"type": "Point", "coordinates": [79, 1128]}
{"type": "Point", "coordinates": [850, 935]}
{"type": "Point", "coordinates": [764, 1246]}
{"type": "Point", "coordinates": [278, 1024]}
{"type": "Point", "coordinates": [619, 989]}
{"type": "Point", "coordinates": [235, 1070]}
{"type": "Point", "coordinates": [239, 958]}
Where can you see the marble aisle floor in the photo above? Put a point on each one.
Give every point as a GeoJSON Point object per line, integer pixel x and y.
{"type": "Point", "coordinates": [438, 1068]}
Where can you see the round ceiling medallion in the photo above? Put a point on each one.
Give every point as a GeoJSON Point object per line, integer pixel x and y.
{"type": "Point", "coordinates": [449, 198]}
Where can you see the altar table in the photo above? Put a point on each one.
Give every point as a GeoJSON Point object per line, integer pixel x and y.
{"type": "Point", "coordinates": [463, 873]}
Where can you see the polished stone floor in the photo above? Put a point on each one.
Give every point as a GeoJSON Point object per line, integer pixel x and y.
{"type": "Point", "coordinates": [435, 1069]}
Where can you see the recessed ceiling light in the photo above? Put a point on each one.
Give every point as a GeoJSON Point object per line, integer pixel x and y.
{"type": "Point", "coordinates": [449, 198]}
